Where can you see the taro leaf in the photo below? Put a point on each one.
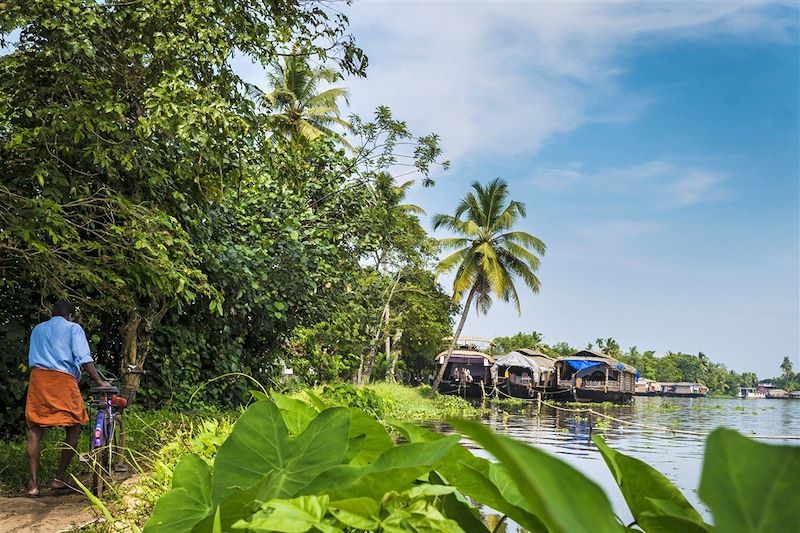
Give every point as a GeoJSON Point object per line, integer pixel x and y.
{"type": "Point", "coordinates": [419, 516]}
{"type": "Point", "coordinates": [258, 395]}
{"type": "Point", "coordinates": [667, 523]}
{"type": "Point", "coordinates": [646, 490]}
{"type": "Point", "coordinates": [750, 486]}
{"type": "Point", "coordinates": [318, 403]}
{"type": "Point", "coordinates": [187, 503]}
{"type": "Point", "coordinates": [569, 501]}
{"type": "Point", "coordinates": [376, 439]}
{"type": "Point", "coordinates": [240, 504]}
{"type": "Point", "coordinates": [290, 516]}
{"type": "Point", "coordinates": [355, 447]}
{"type": "Point", "coordinates": [357, 513]}
{"type": "Point", "coordinates": [393, 471]}
{"type": "Point", "coordinates": [259, 444]}
{"type": "Point", "coordinates": [456, 507]}
{"type": "Point", "coordinates": [296, 414]}
{"type": "Point", "coordinates": [473, 475]}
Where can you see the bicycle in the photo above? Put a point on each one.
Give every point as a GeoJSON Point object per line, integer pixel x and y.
{"type": "Point", "coordinates": [107, 441]}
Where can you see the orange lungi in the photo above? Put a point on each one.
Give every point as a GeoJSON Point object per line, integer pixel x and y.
{"type": "Point", "coordinates": [54, 399]}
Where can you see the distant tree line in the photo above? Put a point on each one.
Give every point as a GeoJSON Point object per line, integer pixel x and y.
{"type": "Point", "coordinates": [672, 366]}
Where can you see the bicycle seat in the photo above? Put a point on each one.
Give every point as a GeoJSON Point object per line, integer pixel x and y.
{"type": "Point", "coordinates": [104, 390]}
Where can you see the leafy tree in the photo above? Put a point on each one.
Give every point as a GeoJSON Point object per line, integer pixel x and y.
{"type": "Point", "coordinates": [788, 379]}
{"type": "Point", "coordinates": [666, 369]}
{"type": "Point", "coordinates": [116, 122]}
{"type": "Point", "coordinates": [609, 347]}
{"type": "Point", "coordinates": [294, 105]}
{"type": "Point", "coordinates": [488, 252]}
{"type": "Point", "coordinates": [560, 349]}
{"type": "Point", "coordinates": [533, 340]}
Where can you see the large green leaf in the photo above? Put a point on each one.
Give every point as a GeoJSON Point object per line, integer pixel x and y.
{"type": "Point", "coordinates": [750, 486]}
{"type": "Point", "coordinates": [290, 516]}
{"type": "Point", "coordinates": [260, 443]}
{"type": "Point", "coordinates": [375, 438]}
{"type": "Point", "coordinates": [456, 507]}
{"type": "Point", "coordinates": [477, 478]}
{"type": "Point", "coordinates": [668, 523]}
{"type": "Point", "coordinates": [419, 516]}
{"type": "Point", "coordinates": [646, 489]}
{"type": "Point", "coordinates": [393, 471]}
{"type": "Point", "coordinates": [569, 501]}
{"type": "Point", "coordinates": [296, 414]}
{"type": "Point", "coordinates": [187, 503]}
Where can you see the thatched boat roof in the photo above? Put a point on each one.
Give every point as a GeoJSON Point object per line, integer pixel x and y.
{"type": "Point", "coordinates": [460, 352]}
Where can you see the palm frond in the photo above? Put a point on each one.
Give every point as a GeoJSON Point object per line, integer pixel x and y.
{"type": "Point", "coordinates": [525, 239]}
{"type": "Point", "coordinates": [521, 270]}
{"type": "Point", "coordinates": [523, 253]}
{"type": "Point", "coordinates": [452, 243]}
{"type": "Point", "coordinates": [510, 215]}
{"type": "Point", "coordinates": [451, 261]}
{"type": "Point", "coordinates": [330, 97]}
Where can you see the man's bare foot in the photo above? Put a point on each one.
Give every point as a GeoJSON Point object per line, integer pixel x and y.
{"type": "Point", "coordinates": [57, 484]}
{"type": "Point", "coordinates": [33, 492]}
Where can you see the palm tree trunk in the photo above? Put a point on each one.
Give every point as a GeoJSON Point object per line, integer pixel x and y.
{"type": "Point", "coordinates": [456, 335]}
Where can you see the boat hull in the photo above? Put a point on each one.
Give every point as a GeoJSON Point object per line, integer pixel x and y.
{"type": "Point", "coordinates": [469, 390]}
{"type": "Point", "coordinates": [684, 395]}
{"type": "Point", "coordinates": [599, 396]}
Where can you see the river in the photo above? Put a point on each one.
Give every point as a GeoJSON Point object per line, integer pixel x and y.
{"type": "Point", "coordinates": [679, 456]}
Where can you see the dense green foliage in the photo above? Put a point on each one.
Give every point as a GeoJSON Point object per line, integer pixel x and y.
{"type": "Point", "coordinates": [295, 466]}
{"type": "Point", "coordinates": [196, 233]}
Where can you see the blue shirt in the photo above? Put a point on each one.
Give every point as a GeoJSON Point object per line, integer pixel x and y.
{"type": "Point", "coordinates": [59, 344]}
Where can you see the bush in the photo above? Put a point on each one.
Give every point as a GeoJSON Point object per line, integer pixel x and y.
{"type": "Point", "coordinates": [359, 397]}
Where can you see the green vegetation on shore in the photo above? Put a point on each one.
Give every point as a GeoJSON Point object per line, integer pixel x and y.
{"type": "Point", "coordinates": [156, 438]}
{"type": "Point", "coordinates": [268, 473]}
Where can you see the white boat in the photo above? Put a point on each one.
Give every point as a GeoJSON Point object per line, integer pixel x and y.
{"type": "Point", "coordinates": [751, 394]}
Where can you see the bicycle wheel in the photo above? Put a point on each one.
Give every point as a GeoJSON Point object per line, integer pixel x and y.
{"type": "Point", "coordinates": [98, 464]}
{"type": "Point", "coordinates": [102, 458]}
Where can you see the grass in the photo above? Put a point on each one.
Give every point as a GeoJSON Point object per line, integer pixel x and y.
{"type": "Point", "coordinates": [145, 432]}
{"type": "Point", "coordinates": [414, 404]}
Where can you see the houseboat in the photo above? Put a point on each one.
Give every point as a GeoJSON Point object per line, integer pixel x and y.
{"type": "Point", "coordinates": [468, 371]}
{"type": "Point", "coordinates": [647, 387]}
{"type": "Point", "coordinates": [591, 377]}
{"type": "Point", "coordinates": [523, 373]}
{"type": "Point", "coordinates": [684, 390]}
{"type": "Point", "coordinates": [750, 393]}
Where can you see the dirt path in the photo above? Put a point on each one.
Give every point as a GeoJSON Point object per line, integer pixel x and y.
{"type": "Point", "coordinates": [48, 514]}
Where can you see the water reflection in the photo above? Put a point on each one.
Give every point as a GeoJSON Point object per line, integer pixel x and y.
{"type": "Point", "coordinates": [653, 439]}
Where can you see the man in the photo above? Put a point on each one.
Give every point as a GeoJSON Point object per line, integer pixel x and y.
{"type": "Point", "coordinates": [58, 352]}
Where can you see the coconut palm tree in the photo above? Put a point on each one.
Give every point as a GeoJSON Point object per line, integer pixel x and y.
{"type": "Point", "coordinates": [296, 110]}
{"type": "Point", "coordinates": [488, 254]}
{"type": "Point", "coordinates": [608, 347]}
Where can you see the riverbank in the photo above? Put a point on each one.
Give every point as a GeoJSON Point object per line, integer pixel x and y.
{"type": "Point", "coordinates": [567, 433]}
{"type": "Point", "coordinates": [157, 440]}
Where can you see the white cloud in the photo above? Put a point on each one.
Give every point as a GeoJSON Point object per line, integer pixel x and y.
{"type": "Point", "coordinates": [505, 77]}
{"type": "Point", "coordinates": [656, 184]}
{"type": "Point", "coordinates": [614, 230]}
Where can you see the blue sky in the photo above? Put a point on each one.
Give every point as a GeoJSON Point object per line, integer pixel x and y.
{"type": "Point", "coordinates": [655, 145]}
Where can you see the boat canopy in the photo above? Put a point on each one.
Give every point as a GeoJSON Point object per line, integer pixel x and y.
{"type": "Point", "coordinates": [516, 359]}
{"type": "Point", "coordinates": [580, 364]}
{"type": "Point", "coordinates": [585, 359]}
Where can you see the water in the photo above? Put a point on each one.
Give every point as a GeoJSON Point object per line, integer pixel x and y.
{"type": "Point", "coordinates": [678, 456]}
